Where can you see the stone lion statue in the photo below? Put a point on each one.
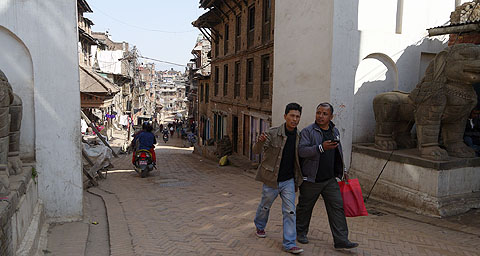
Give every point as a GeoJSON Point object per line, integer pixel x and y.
{"type": "Point", "coordinates": [439, 105]}
{"type": "Point", "coordinates": [10, 123]}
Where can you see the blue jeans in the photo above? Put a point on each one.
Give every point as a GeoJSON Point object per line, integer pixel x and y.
{"type": "Point", "coordinates": [286, 189]}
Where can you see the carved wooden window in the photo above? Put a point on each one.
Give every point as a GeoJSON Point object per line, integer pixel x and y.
{"type": "Point", "coordinates": [216, 42]}
{"type": "Point", "coordinates": [267, 17]}
{"type": "Point", "coordinates": [251, 26]}
{"type": "Point", "coordinates": [226, 39]}
{"type": "Point", "coordinates": [238, 29]}
{"type": "Point", "coordinates": [265, 85]}
{"type": "Point", "coordinates": [249, 79]}
{"type": "Point", "coordinates": [217, 74]}
{"type": "Point", "coordinates": [225, 80]}
{"type": "Point", "coordinates": [236, 90]}
{"type": "Point", "coordinates": [207, 92]}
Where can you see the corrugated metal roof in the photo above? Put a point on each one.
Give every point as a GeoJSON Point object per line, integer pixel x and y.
{"type": "Point", "coordinates": [457, 24]}
{"type": "Point", "coordinates": [455, 28]}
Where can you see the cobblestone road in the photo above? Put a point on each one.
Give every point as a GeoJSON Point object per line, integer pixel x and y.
{"type": "Point", "coordinates": [190, 206]}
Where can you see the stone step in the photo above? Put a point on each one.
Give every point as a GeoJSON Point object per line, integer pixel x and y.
{"type": "Point", "coordinates": [29, 245]}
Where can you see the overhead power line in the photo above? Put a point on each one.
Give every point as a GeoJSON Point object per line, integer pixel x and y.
{"type": "Point", "coordinates": [139, 27]}
{"type": "Point", "coordinates": [162, 61]}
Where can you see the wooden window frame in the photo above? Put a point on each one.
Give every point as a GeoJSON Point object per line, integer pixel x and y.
{"type": "Point", "coordinates": [249, 78]}
{"type": "Point", "coordinates": [225, 80]}
{"type": "Point", "coordinates": [217, 77]}
{"type": "Point", "coordinates": [236, 89]}
{"type": "Point", "coordinates": [251, 26]}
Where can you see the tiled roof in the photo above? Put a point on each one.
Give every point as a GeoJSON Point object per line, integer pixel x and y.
{"type": "Point", "coordinates": [93, 83]}
{"type": "Point", "coordinates": [207, 20]}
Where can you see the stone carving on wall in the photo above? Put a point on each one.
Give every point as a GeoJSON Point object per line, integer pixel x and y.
{"type": "Point", "coordinates": [439, 105]}
{"type": "Point", "coordinates": [10, 123]}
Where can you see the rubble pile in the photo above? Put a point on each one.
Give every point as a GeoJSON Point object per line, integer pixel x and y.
{"type": "Point", "coordinates": [467, 12]}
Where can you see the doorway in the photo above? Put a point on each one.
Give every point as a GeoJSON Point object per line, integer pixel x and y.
{"type": "Point", "coordinates": [246, 135]}
{"type": "Point", "coordinates": [235, 133]}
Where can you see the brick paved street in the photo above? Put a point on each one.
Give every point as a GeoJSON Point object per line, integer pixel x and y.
{"type": "Point", "coordinates": [190, 206]}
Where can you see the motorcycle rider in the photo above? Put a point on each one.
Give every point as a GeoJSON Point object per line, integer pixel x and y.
{"type": "Point", "coordinates": [165, 134]}
{"type": "Point", "coordinates": [145, 140]}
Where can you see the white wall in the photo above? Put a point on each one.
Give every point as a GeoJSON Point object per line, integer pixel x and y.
{"type": "Point", "coordinates": [109, 61]}
{"type": "Point", "coordinates": [302, 57]}
{"type": "Point", "coordinates": [48, 28]}
{"type": "Point", "coordinates": [16, 64]}
{"type": "Point", "coordinates": [344, 62]}
{"type": "Point", "coordinates": [405, 49]}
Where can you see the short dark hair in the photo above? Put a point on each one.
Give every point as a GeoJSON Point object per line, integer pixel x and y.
{"type": "Point", "coordinates": [147, 126]}
{"type": "Point", "coordinates": [293, 106]}
{"type": "Point", "coordinates": [326, 105]}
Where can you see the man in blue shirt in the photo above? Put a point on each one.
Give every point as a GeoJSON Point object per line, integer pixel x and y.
{"type": "Point", "coordinates": [146, 140]}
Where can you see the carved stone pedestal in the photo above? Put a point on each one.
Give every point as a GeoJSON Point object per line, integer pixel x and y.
{"type": "Point", "coordinates": [4, 173]}
{"type": "Point", "coordinates": [436, 188]}
{"type": "Point", "coordinates": [21, 215]}
{"type": "Point", "coordinates": [4, 182]}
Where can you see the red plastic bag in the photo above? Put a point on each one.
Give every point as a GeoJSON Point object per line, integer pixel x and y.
{"type": "Point", "coordinates": [352, 198]}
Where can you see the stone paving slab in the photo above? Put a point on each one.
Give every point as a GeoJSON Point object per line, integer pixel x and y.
{"type": "Point", "coordinates": [67, 239]}
{"type": "Point", "coordinates": [119, 233]}
{"type": "Point", "coordinates": [190, 206]}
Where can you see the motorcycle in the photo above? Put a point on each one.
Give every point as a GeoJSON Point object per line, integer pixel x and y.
{"type": "Point", "coordinates": [192, 139]}
{"type": "Point", "coordinates": [165, 137]}
{"type": "Point", "coordinates": [143, 162]}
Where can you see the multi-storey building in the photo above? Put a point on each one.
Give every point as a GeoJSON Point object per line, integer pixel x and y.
{"type": "Point", "coordinates": [114, 61]}
{"type": "Point", "coordinates": [96, 92]}
{"type": "Point", "coordinates": [146, 100]}
{"type": "Point", "coordinates": [198, 73]}
{"type": "Point", "coordinates": [85, 39]}
{"type": "Point", "coordinates": [237, 100]}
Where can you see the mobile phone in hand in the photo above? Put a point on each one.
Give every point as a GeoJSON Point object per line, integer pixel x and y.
{"type": "Point", "coordinates": [336, 140]}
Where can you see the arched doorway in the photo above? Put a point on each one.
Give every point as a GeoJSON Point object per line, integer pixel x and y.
{"type": "Point", "coordinates": [16, 63]}
{"type": "Point", "coordinates": [376, 73]}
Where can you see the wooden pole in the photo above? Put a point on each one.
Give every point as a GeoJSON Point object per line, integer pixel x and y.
{"type": "Point", "coordinates": [89, 123]}
{"type": "Point", "coordinates": [90, 162]}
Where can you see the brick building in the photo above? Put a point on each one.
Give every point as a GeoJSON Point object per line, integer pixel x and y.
{"type": "Point", "coordinates": [199, 71]}
{"type": "Point", "coordinates": [464, 25]}
{"type": "Point", "coordinates": [237, 100]}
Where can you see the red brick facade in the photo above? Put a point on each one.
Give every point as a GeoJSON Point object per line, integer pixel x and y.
{"type": "Point", "coordinates": [466, 38]}
{"type": "Point", "coordinates": [240, 88]}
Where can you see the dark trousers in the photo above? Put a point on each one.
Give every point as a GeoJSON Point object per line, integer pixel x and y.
{"type": "Point", "coordinates": [330, 191]}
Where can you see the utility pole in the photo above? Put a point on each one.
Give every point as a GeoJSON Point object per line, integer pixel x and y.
{"type": "Point", "coordinates": [133, 72]}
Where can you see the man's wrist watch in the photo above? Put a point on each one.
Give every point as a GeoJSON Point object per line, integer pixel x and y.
{"type": "Point", "coordinates": [320, 147]}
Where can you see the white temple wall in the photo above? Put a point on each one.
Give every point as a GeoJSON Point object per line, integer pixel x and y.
{"type": "Point", "coordinates": [48, 30]}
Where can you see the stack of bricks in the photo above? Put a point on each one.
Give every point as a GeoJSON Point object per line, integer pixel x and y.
{"type": "Point", "coordinates": [465, 13]}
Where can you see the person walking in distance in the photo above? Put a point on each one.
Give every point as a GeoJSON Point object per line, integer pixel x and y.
{"type": "Point", "coordinates": [322, 162]}
{"type": "Point", "coordinates": [280, 173]}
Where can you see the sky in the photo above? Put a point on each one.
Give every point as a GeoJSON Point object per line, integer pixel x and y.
{"type": "Point", "coordinates": [161, 29]}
